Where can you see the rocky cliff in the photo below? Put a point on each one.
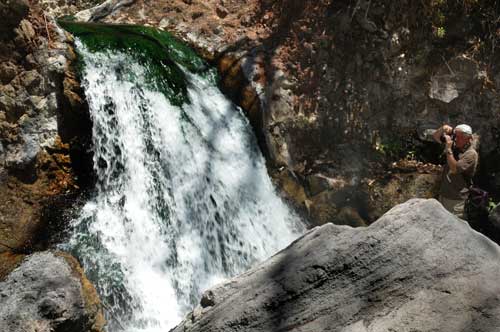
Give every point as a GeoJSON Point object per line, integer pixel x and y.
{"type": "Point", "coordinates": [340, 92]}
{"type": "Point", "coordinates": [43, 135]}
{"type": "Point", "coordinates": [418, 268]}
{"type": "Point", "coordinates": [43, 128]}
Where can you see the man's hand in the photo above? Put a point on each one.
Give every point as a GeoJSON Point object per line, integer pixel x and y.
{"type": "Point", "coordinates": [447, 129]}
{"type": "Point", "coordinates": [450, 158]}
{"type": "Point", "coordinates": [443, 130]}
{"type": "Point", "coordinates": [449, 142]}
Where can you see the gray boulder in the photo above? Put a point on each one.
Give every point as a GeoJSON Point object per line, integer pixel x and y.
{"type": "Point", "coordinates": [48, 293]}
{"type": "Point", "coordinates": [418, 268]}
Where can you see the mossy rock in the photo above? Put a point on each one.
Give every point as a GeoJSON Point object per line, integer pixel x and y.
{"type": "Point", "coordinates": [165, 58]}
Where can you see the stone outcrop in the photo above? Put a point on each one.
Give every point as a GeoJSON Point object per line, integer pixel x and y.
{"type": "Point", "coordinates": [418, 268]}
{"type": "Point", "coordinates": [102, 10]}
{"type": "Point", "coordinates": [344, 90]}
{"type": "Point", "coordinates": [49, 293]}
{"type": "Point", "coordinates": [43, 123]}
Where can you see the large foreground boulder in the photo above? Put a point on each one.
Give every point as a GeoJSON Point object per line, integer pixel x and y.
{"type": "Point", "coordinates": [49, 293]}
{"type": "Point", "coordinates": [418, 268]}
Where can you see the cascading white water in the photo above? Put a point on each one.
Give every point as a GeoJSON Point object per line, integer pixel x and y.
{"type": "Point", "coordinates": [183, 198]}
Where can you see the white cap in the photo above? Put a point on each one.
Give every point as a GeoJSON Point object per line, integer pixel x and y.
{"type": "Point", "coordinates": [466, 129]}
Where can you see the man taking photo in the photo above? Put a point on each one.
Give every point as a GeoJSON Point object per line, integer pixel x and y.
{"type": "Point", "coordinates": [461, 165]}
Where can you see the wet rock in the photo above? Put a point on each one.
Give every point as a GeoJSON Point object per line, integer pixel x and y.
{"type": "Point", "coordinates": [49, 293]}
{"type": "Point", "coordinates": [292, 189]}
{"type": "Point", "coordinates": [207, 299]}
{"type": "Point", "coordinates": [417, 268]}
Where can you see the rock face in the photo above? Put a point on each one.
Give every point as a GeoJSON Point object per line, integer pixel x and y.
{"type": "Point", "coordinates": [418, 268]}
{"type": "Point", "coordinates": [342, 90]}
{"type": "Point", "coordinates": [49, 293]}
{"type": "Point", "coordinates": [41, 121]}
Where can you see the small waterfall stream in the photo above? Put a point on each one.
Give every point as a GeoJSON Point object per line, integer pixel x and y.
{"type": "Point", "coordinates": [183, 198]}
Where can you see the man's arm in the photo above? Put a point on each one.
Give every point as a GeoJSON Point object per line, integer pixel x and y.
{"type": "Point", "coordinates": [444, 129]}
{"type": "Point", "coordinates": [450, 158]}
{"type": "Point", "coordinates": [452, 162]}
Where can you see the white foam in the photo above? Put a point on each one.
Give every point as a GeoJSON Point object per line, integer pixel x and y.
{"type": "Point", "coordinates": [183, 197]}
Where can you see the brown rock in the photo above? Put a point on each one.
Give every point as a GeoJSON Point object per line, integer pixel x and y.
{"type": "Point", "coordinates": [12, 111]}
{"type": "Point", "coordinates": [348, 216]}
{"type": "Point", "coordinates": [8, 90]}
{"type": "Point", "coordinates": [93, 306]}
{"type": "Point", "coordinates": [32, 81]}
{"type": "Point", "coordinates": [196, 14]}
{"type": "Point", "coordinates": [232, 74]}
{"type": "Point", "coordinates": [26, 30]}
{"type": "Point", "coordinates": [400, 188]}
{"type": "Point", "coordinates": [291, 187]}
{"type": "Point", "coordinates": [7, 72]}
{"type": "Point", "coordinates": [8, 262]}
{"type": "Point", "coordinates": [322, 209]}
{"type": "Point", "coordinates": [11, 13]}
{"type": "Point", "coordinates": [221, 11]}
{"type": "Point", "coordinates": [317, 183]}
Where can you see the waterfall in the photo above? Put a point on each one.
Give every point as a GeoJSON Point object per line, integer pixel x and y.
{"type": "Point", "coordinates": [183, 199]}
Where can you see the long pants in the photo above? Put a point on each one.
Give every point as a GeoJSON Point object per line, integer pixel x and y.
{"type": "Point", "coordinates": [455, 206]}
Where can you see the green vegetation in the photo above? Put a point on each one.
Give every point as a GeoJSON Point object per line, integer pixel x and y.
{"type": "Point", "coordinates": [440, 32]}
{"type": "Point", "coordinates": [395, 148]}
{"type": "Point", "coordinates": [165, 58]}
{"type": "Point", "coordinates": [492, 204]}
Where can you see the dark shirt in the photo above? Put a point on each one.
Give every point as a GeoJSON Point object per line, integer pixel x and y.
{"type": "Point", "coordinates": [455, 186]}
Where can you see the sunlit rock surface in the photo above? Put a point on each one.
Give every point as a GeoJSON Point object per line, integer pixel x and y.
{"type": "Point", "coordinates": [342, 90]}
{"type": "Point", "coordinates": [418, 268]}
{"type": "Point", "coordinates": [49, 293]}
{"type": "Point", "coordinates": [37, 122]}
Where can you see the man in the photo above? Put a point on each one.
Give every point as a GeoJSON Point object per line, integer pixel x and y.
{"type": "Point", "coordinates": [461, 165]}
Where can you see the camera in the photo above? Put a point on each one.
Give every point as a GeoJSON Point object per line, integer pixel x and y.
{"type": "Point", "coordinates": [443, 138]}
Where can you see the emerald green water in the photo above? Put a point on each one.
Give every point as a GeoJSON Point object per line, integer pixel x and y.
{"type": "Point", "coordinates": [165, 57]}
